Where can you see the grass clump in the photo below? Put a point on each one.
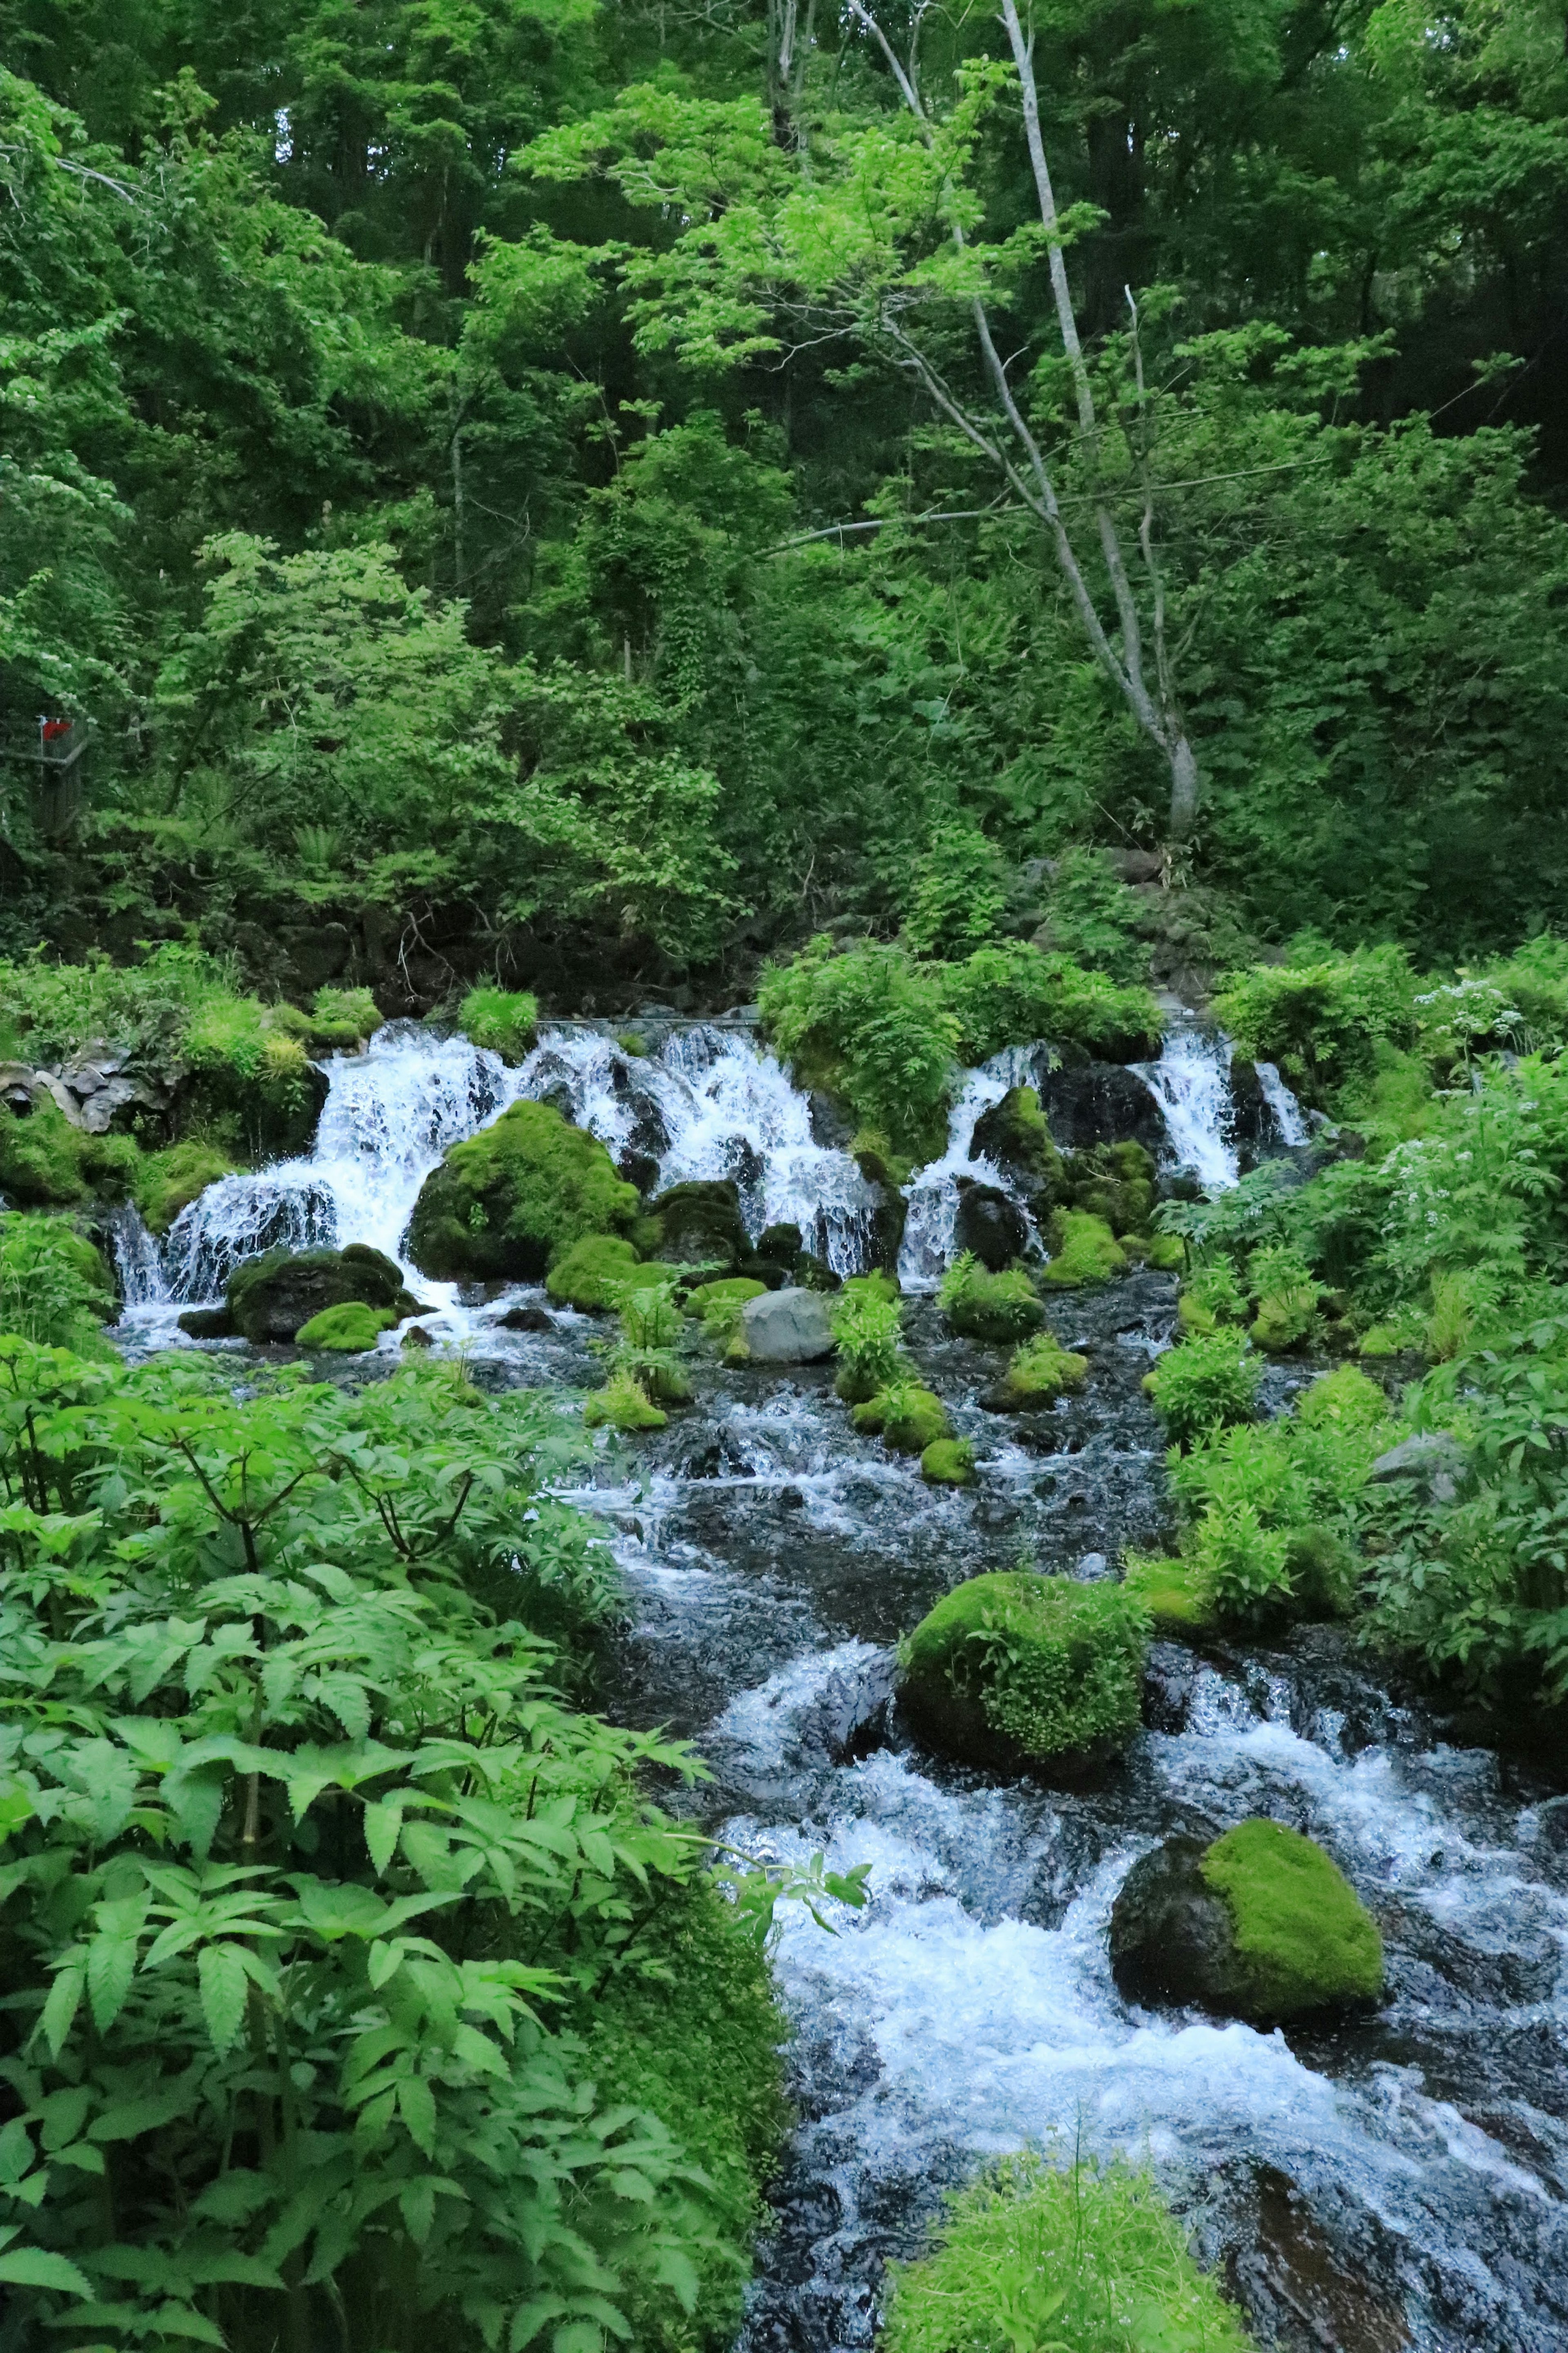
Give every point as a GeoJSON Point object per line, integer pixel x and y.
{"type": "Point", "coordinates": [511, 1201]}
{"type": "Point", "coordinates": [908, 1417]}
{"type": "Point", "coordinates": [948, 1462]}
{"type": "Point", "coordinates": [351, 1327]}
{"type": "Point", "coordinates": [1204, 1385]}
{"type": "Point", "coordinates": [593, 1273]}
{"type": "Point", "coordinates": [1040, 1372]}
{"type": "Point", "coordinates": [1083, 1249]}
{"type": "Point", "coordinates": [504, 1020]}
{"type": "Point", "coordinates": [622, 1404]}
{"type": "Point", "coordinates": [993, 1307]}
{"type": "Point", "coordinates": [165, 1183]}
{"type": "Point", "coordinates": [1037, 2258]}
{"type": "Point", "coordinates": [1305, 1937]}
{"type": "Point", "coordinates": [1014, 1668]}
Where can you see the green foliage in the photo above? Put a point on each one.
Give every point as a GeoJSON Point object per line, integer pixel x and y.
{"type": "Point", "coordinates": [1205, 1384]}
{"type": "Point", "coordinates": [1093, 917]}
{"type": "Point", "coordinates": [957, 896]}
{"type": "Point", "coordinates": [311, 1918]}
{"type": "Point", "coordinates": [166, 1182]}
{"type": "Point", "coordinates": [984, 1306]}
{"type": "Point", "coordinates": [55, 1288]}
{"type": "Point", "coordinates": [1171, 1593]}
{"type": "Point", "coordinates": [593, 1273]}
{"type": "Point", "coordinates": [506, 1020]}
{"type": "Point", "coordinates": [40, 1156]}
{"type": "Point", "coordinates": [514, 1197]}
{"type": "Point", "coordinates": [1239, 1567]}
{"type": "Point", "coordinates": [622, 1404]}
{"type": "Point", "coordinates": [1322, 1021]}
{"type": "Point", "coordinates": [873, 1026]}
{"type": "Point", "coordinates": [948, 1462]}
{"type": "Point", "coordinates": [1082, 2257]}
{"type": "Point", "coordinates": [351, 1327]}
{"type": "Point", "coordinates": [1041, 1370]}
{"type": "Point", "coordinates": [1051, 1664]}
{"type": "Point", "coordinates": [909, 1416]}
{"type": "Point", "coordinates": [1012, 995]}
{"type": "Point", "coordinates": [1287, 1299]}
{"type": "Point", "coordinates": [1212, 1295]}
{"type": "Point", "coordinates": [868, 1332]}
{"type": "Point", "coordinates": [1083, 1249]}
{"type": "Point", "coordinates": [1303, 1933]}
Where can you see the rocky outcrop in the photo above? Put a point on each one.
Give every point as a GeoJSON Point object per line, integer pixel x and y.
{"type": "Point", "coordinates": [271, 1298]}
{"type": "Point", "coordinates": [700, 1224]}
{"type": "Point", "coordinates": [1102, 1102]}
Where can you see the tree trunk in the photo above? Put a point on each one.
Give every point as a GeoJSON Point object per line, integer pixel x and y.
{"type": "Point", "coordinates": [1184, 785]}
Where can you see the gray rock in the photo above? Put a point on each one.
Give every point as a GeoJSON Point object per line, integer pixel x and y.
{"type": "Point", "coordinates": [1433, 1456]}
{"type": "Point", "coordinates": [990, 1225]}
{"type": "Point", "coordinates": [786, 1327]}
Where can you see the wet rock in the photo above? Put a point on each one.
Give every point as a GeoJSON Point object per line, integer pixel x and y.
{"type": "Point", "coordinates": [638, 1168]}
{"type": "Point", "coordinates": [506, 1201]}
{"type": "Point", "coordinates": [271, 1297]}
{"type": "Point", "coordinates": [1102, 1102]}
{"type": "Point", "coordinates": [701, 1223]}
{"type": "Point", "coordinates": [1433, 1457]}
{"type": "Point", "coordinates": [786, 1327]}
{"type": "Point", "coordinates": [854, 1715]}
{"type": "Point", "coordinates": [1013, 1137]}
{"type": "Point", "coordinates": [831, 1126]}
{"type": "Point", "coordinates": [416, 1336]}
{"type": "Point", "coordinates": [1291, 2274]}
{"type": "Point", "coordinates": [207, 1323]}
{"type": "Point", "coordinates": [525, 1319]}
{"type": "Point", "coordinates": [990, 1225]}
{"type": "Point", "coordinates": [1169, 1684]}
{"type": "Point", "coordinates": [711, 1450]}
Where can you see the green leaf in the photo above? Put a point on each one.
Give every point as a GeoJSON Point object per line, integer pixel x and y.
{"type": "Point", "coordinates": [416, 2106]}
{"type": "Point", "coordinates": [64, 2001]}
{"type": "Point", "coordinates": [110, 1965]}
{"type": "Point", "coordinates": [35, 2267]}
{"type": "Point", "coordinates": [382, 1821]}
{"type": "Point", "coordinates": [222, 1976]}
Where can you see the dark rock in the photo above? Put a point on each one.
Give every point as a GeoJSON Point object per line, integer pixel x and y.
{"type": "Point", "coordinates": [990, 1225]}
{"type": "Point", "coordinates": [416, 1336]}
{"type": "Point", "coordinates": [270, 1297]}
{"type": "Point", "coordinates": [786, 1327]}
{"type": "Point", "coordinates": [745, 1162]}
{"type": "Point", "coordinates": [758, 1269]}
{"type": "Point", "coordinates": [638, 1168]}
{"type": "Point", "coordinates": [701, 1223]}
{"type": "Point", "coordinates": [831, 1126]}
{"type": "Point", "coordinates": [525, 1319]}
{"type": "Point", "coordinates": [1172, 1939]}
{"type": "Point", "coordinates": [1169, 1680]}
{"type": "Point", "coordinates": [782, 1243]}
{"type": "Point", "coordinates": [889, 1210]}
{"type": "Point", "coordinates": [1253, 1129]}
{"type": "Point", "coordinates": [1013, 1137]}
{"type": "Point", "coordinates": [1102, 1102]}
{"type": "Point", "coordinates": [207, 1323]}
{"type": "Point", "coordinates": [319, 952]}
{"type": "Point", "coordinates": [649, 1129]}
{"type": "Point", "coordinates": [854, 1715]}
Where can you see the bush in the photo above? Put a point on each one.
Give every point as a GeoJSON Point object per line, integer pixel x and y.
{"type": "Point", "coordinates": [872, 1026]}
{"type": "Point", "coordinates": [55, 1288]}
{"type": "Point", "coordinates": [1012, 995]}
{"type": "Point", "coordinates": [40, 1156]}
{"type": "Point", "coordinates": [353, 1328]}
{"type": "Point", "coordinates": [511, 1200]}
{"type": "Point", "coordinates": [505, 1021]}
{"type": "Point", "coordinates": [1093, 916]}
{"type": "Point", "coordinates": [1014, 1667]}
{"type": "Point", "coordinates": [1083, 1249]}
{"type": "Point", "coordinates": [1212, 1295]}
{"type": "Point", "coordinates": [1287, 1301]}
{"type": "Point", "coordinates": [1321, 1021]}
{"type": "Point", "coordinates": [1303, 1935]}
{"type": "Point", "coordinates": [867, 1331]}
{"type": "Point", "coordinates": [993, 1307]}
{"type": "Point", "coordinates": [1239, 1569]}
{"type": "Point", "coordinates": [1203, 1384]}
{"type": "Point", "coordinates": [1082, 2257]}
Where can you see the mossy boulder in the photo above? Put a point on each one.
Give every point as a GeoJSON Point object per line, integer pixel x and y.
{"type": "Point", "coordinates": [40, 1153]}
{"type": "Point", "coordinates": [948, 1462]}
{"type": "Point", "coordinates": [167, 1182]}
{"type": "Point", "coordinates": [1083, 1249]}
{"type": "Point", "coordinates": [1014, 1136]}
{"type": "Point", "coordinates": [1166, 1253]}
{"type": "Point", "coordinates": [504, 1020]}
{"type": "Point", "coordinates": [700, 1224]}
{"type": "Point", "coordinates": [1113, 1182]}
{"type": "Point", "coordinates": [997, 1308]}
{"type": "Point", "coordinates": [593, 1274]}
{"type": "Point", "coordinates": [719, 1303]}
{"type": "Point", "coordinates": [353, 1327]}
{"type": "Point", "coordinates": [508, 1202]}
{"type": "Point", "coordinates": [1017, 1672]}
{"type": "Point", "coordinates": [1040, 1372]}
{"type": "Point", "coordinates": [273, 1297]}
{"type": "Point", "coordinates": [249, 1082]}
{"type": "Point", "coordinates": [1260, 1925]}
{"type": "Point", "coordinates": [908, 1418]}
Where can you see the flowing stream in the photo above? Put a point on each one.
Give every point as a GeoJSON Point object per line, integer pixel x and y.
{"type": "Point", "coordinates": [1401, 2181]}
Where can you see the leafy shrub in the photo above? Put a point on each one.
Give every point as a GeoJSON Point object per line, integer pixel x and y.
{"type": "Point", "coordinates": [54, 1287]}
{"type": "Point", "coordinates": [872, 1026]}
{"type": "Point", "coordinates": [1288, 1300]}
{"type": "Point", "coordinates": [1205, 1384]}
{"type": "Point", "coordinates": [504, 1020]}
{"type": "Point", "coordinates": [867, 1331]}
{"type": "Point", "coordinates": [1010, 994]}
{"type": "Point", "coordinates": [994, 1307]}
{"type": "Point", "coordinates": [1093, 916]}
{"type": "Point", "coordinates": [1034, 2255]}
{"type": "Point", "coordinates": [1239, 1567]}
{"type": "Point", "coordinates": [1042, 1664]}
{"type": "Point", "coordinates": [1321, 1021]}
{"type": "Point", "coordinates": [1212, 1295]}
{"type": "Point", "coordinates": [957, 894]}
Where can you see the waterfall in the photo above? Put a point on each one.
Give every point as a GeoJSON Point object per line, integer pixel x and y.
{"type": "Point", "coordinates": [390, 1114]}
{"type": "Point", "coordinates": [1191, 1083]}
{"type": "Point", "coordinates": [136, 1259]}
{"type": "Point", "coordinates": [1282, 1104]}
{"type": "Point", "coordinates": [933, 1194]}
{"type": "Point", "coordinates": [711, 1103]}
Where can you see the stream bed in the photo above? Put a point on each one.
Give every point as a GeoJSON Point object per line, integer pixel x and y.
{"type": "Point", "coordinates": [1401, 2181]}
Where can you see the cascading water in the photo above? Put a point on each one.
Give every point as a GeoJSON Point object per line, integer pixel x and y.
{"type": "Point", "coordinates": [928, 1242]}
{"type": "Point", "coordinates": [1191, 1083]}
{"type": "Point", "coordinates": [1282, 1104]}
{"type": "Point", "coordinates": [711, 1103]}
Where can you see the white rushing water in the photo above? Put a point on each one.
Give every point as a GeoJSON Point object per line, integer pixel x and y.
{"type": "Point", "coordinates": [927, 1243]}
{"type": "Point", "coordinates": [1286, 1111]}
{"type": "Point", "coordinates": [1191, 1083]}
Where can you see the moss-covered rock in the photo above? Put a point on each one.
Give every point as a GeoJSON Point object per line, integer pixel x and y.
{"type": "Point", "coordinates": [1040, 1372]}
{"type": "Point", "coordinates": [1083, 1249]}
{"type": "Point", "coordinates": [166, 1182]}
{"type": "Point", "coordinates": [907, 1418]}
{"type": "Point", "coordinates": [351, 1327]}
{"type": "Point", "coordinates": [271, 1298]}
{"type": "Point", "coordinates": [1015, 1672]}
{"type": "Point", "coordinates": [1174, 1595]}
{"type": "Point", "coordinates": [1113, 1182]}
{"type": "Point", "coordinates": [993, 1307]}
{"type": "Point", "coordinates": [948, 1462]}
{"type": "Point", "coordinates": [718, 1305]}
{"type": "Point", "coordinates": [508, 1202]}
{"type": "Point", "coordinates": [593, 1273]}
{"type": "Point", "coordinates": [1166, 1253]}
{"type": "Point", "coordinates": [1261, 1925]}
{"type": "Point", "coordinates": [41, 1155]}
{"type": "Point", "coordinates": [700, 1224]}
{"type": "Point", "coordinates": [248, 1081]}
{"type": "Point", "coordinates": [1014, 1136]}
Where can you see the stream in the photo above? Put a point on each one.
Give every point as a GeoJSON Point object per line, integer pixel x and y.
{"type": "Point", "coordinates": [1399, 2181]}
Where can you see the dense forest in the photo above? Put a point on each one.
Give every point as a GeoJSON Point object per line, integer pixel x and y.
{"type": "Point", "coordinates": [783, 1176]}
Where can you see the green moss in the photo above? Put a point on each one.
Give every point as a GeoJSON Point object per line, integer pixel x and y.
{"type": "Point", "coordinates": [948, 1462]}
{"type": "Point", "coordinates": [593, 1273]}
{"type": "Point", "coordinates": [717, 1302]}
{"type": "Point", "coordinates": [353, 1327]}
{"type": "Point", "coordinates": [993, 1307]}
{"type": "Point", "coordinates": [1017, 1667]}
{"type": "Point", "coordinates": [909, 1417]}
{"type": "Point", "coordinates": [1167, 1253]}
{"type": "Point", "coordinates": [696, 2044]}
{"type": "Point", "coordinates": [40, 1156]}
{"type": "Point", "coordinates": [167, 1182]}
{"type": "Point", "coordinates": [1079, 2258]}
{"type": "Point", "coordinates": [622, 1404]}
{"type": "Point", "coordinates": [1304, 1935]}
{"type": "Point", "coordinates": [504, 1020]}
{"type": "Point", "coordinates": [1115, 1183]}
{"type": "Point", "coordinates": [1083, 1249]}
{"type": "Point", "coordinates": [1342, 1400]}
{"type": "Point", "coordinates": [511, 1201]}
{"type": "Point", "coordinates": [1322, 1570]}
{"type": "Point", "coordinates": [1203, 1384]}
{"type": "Point", "coordinates": [1173, 1594]}
{"type": "Point", "coordinates": [1041, 1371]}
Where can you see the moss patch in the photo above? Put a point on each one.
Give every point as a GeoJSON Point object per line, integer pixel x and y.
{"type": "Point", "coordinates": [1016, 1669]}
{"type": "Point", "coordinates": [1041, 1371]}
{"type": "Point", "coordinates": [1173, 1593]}
{"type": "Point", "coordinates": [1166, 1253]}
{"type": "Point", "coordinates": [511, 1201]}
{"type": "Point", "coordinates": [353, 1327]}
{"type": "Point", "coordinates": [40, 1162]}
{"type": "Point", "coordinates": [948, 1462]}
{"type": "Point", "coordinates": [1303, 1935]}
{"type": "Point", "coordinates": [1083, 1249]}
{"type": "Point", "coordinates": [167, 1182]}
{"type": "Point", "coordinates": [593, 1273]}
{"type": "Point", "coordinates": [909, 1417]}
{"type": "Point", "coordinates": [717, 1303]}
{"type": "Point", "coordinates": [994, 1307]}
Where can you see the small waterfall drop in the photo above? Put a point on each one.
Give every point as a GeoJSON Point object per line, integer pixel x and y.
{"type": "Point", "coordinates": [136, 1259]}
{"type": "Point", "coordinates": [713, 1104]}
{"type": "Point", "coordinates": [928, 1229]}
{"type": "Point", "coordinates": [391, 1113]}
{"type": "Point", "coordinates": [1191, 1083]}
{"type": "Point", "coordinates": [1282, 1104]}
